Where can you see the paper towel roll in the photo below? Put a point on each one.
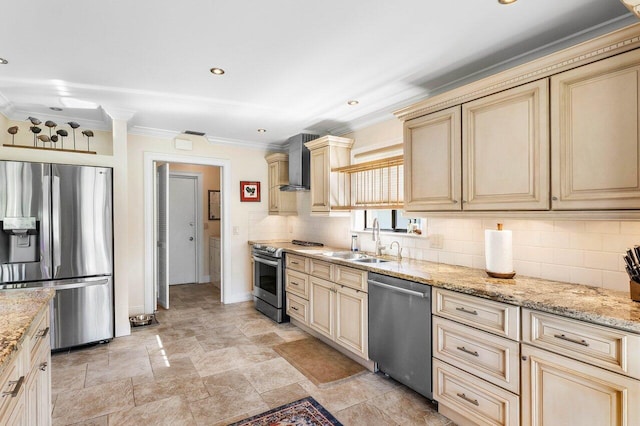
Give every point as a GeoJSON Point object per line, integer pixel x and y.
{"type": "Point", "coordinates": [498, 251]}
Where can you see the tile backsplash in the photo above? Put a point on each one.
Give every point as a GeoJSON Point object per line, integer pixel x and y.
{"type": "Point", "coordinates": [579, 252]}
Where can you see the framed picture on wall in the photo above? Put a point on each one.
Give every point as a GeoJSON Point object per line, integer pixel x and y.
{"type": "Point", "coordinates": [214, 204]}
{"type": "Point", "coordinates": [249, 191]}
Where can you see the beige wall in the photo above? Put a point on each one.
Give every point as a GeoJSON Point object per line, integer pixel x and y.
{"type": "Point", "coordinates": [245, 164]}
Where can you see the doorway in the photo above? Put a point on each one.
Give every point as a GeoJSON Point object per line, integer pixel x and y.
{"type": "Point", "coordinates": [221, 227]}
{"type": "Point", "coordinates": [185, 193]}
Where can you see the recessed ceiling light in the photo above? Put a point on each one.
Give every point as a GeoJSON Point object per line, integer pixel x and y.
{"type": "Point", "coordinates": [507, 1]}
{"type": "Point", "coordinates": [3, 61]}
{"type": "Point", "coordinates": [352, 102]}
{"type": "Point", "coordinates": [55, 109]}
{"type": "Point", "coordinates": [217, 71]}
{"type": "Point", "coordinates": [262, 130]}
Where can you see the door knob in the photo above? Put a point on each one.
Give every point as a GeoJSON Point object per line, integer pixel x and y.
{"type": "Point", "coordinates": [190, 238]}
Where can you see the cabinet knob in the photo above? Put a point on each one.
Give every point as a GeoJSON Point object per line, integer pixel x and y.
{"type": "Point", "coordinates": [524, 358]}
{"type": "Point", "coordinates": [43, 366]}
{"type": "Point", "coordinates": [455, 201]}
{"type": "Point", "coordinates": [554, 198]}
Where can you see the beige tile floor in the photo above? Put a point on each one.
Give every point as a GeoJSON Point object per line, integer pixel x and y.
{"type": "Point", "coordinates": [212, 364]}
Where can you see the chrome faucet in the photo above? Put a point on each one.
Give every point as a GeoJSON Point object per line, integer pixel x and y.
{"type": "Point", "coordinates": [376, 230]}
{"type": "Point", "coordinates": [399, 257]}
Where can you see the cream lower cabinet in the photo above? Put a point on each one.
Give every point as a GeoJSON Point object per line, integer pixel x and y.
{"type": "Point", "coordinates": [595, 117]}
{"type": "Point", "coordinates": [576, 373]}
{"type": "Point", "coordinates": [340, 314]}
{"type": "Point", "coordinates": [26, 382]}
{"type": "Point", "coordinates": [330, 299]}
{"type": "Point", "coordinates": [559, 391]}
{"type": "Point", "coordinates": [476, 373]}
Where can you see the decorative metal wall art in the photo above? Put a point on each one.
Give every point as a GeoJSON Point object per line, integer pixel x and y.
{"type": "Point", "coordinates": [51, 139]}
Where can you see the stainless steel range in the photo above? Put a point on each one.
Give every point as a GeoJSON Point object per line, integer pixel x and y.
{"type": "Point", "coordinates": [268, 279]}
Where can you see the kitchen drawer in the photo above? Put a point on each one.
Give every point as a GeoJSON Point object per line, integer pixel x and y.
{"type": "Point", "coordinates": [490, 357]}
{"type": "Point", "coordinates": [298, 263]}
{"type": "Point", "coordinates": [320, 269]}
{"type": "Point", "coordinates": [297, 283]}
{"type": "Point", "coordinates": [600, 346]}
{"type": "Point", "coordinates": [495, 317]}
{"type": "Point", "coordinates": [14, 375]}
{"type": "Point", "coordinates": [298, 308]}
{"type": "Point", "coordinates": [461, 394]}
{"type": "Point", "coordinates": [350, 277]}
{"type": "Point", "coordinates": [38, 335]}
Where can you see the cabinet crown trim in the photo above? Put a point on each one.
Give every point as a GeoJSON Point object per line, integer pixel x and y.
{"type": "Point", "coordinates": [592, 50]}
{"type": "Point", "coordinates": [329, 141]}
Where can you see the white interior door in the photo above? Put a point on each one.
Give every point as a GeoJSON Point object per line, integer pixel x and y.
{"type": "Point", "coordinates": [182, 229]}
{"type": "Point", "coordinates": [162, 235]}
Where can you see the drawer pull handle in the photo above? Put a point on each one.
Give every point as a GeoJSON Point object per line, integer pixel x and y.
{"type": "Point", "coordinates": [466, 311]}
{"type": "Point", "coordinates": [569, 339]}
{"type": "Point", "coordinates": [294, 283]}
{"type": "Point", "coordinates": [42, 333]}
{"type": "Point", "coordinates": [293, 262]}
{"type": "Point", "coordinates": [43, 366]}
{"type": "Point", "coordinates": [466, 398]}
{"type": "Point", "coordinates": [467, 351]}
{"type": "Point", "coordinates": [294, 308]}
{"type": "Point", "coordinates": [16, 389]}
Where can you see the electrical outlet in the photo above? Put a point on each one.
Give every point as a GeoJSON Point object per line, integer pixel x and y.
{"type": "Point", "coordinates": [436, 241]}
{"type": "Point", "coordinates": [236, 230]}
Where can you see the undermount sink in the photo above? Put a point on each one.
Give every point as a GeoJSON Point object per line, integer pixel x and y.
{"type": "Point", "coordinates": [370, 260]}
{"type": "Point", "coordinates": [347, 255]}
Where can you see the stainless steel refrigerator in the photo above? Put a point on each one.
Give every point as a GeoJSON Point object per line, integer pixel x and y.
{"type": "Point", "coordinates": [56, 231]}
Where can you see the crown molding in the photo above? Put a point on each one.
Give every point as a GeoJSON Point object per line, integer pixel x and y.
{"type": "Point", "coordinates": [153, 132]}
{"type": "Point", "coordinates": [270, 146]}
{"type": "Point", "coordinates": [602, 47]}
{"type": "Point", "coordinates": [633, 6]}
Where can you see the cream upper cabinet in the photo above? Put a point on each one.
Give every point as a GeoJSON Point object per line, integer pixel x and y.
{"type": "Point", "coordinates": [432, 162]}
{"type": "Point", "coordinates": [505, 150]}
{"type": "Point", "coordinates": [280, 203]}
{"type": "Point", "coordinates": [595, 117]}
{"type": "Point", "coordinates": [328, 191]}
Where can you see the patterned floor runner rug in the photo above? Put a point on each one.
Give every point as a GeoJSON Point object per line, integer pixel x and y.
{"type": "Point", "coordinates": [304, 412]}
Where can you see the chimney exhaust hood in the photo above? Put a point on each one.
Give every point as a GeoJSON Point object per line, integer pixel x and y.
{"type": "Point", "coordinates": [299, 163]}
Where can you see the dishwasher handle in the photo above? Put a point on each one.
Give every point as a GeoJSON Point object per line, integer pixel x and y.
{"type": "Point", "coordinates": [398, 289]}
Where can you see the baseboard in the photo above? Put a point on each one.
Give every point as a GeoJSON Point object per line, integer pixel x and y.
{"type": "Point", "coordinates": [205, 279]}
{"type": "Point", "coordinates": [237, 298]}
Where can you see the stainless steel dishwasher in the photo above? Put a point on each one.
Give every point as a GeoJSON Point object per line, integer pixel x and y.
{"type": "Point", "coordinates": [400, 330]}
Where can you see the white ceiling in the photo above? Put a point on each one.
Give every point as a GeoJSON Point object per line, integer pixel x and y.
{"type": "Point", "coordinates": [291, 65]}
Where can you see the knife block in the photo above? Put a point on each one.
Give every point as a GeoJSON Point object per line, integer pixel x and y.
{"type": "Point", "coordinates": [635, 291]}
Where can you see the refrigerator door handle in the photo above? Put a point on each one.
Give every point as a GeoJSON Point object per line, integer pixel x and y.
{"type": "Point", "coordinates": [55, 226]}
{"type": "Point", "coordinates": [45, 232]}
{"type": "Point", "coordinates": [80, 284]}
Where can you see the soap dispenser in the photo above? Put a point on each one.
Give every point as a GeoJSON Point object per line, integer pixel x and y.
{"type": "Point", "coordinates": [354, 243]}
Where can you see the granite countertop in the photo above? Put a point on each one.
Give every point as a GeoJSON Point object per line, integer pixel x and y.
{"type": "Point", "coordinates": [18, 309]}
{"type": "Point", "coordinates": [592, 304]}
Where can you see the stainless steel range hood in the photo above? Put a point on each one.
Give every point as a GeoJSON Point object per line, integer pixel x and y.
{"type": "Point", "coordinates": [299, 160]}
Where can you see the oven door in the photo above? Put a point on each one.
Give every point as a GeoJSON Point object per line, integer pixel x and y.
{"type": "Point", "coordinates": [267, 280]}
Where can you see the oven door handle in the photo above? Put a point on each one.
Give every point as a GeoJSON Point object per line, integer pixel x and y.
{"type": "Point", "coordinates": [259, 259]}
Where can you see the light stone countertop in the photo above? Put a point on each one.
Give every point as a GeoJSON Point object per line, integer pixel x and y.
{"type": "Point", "coordinates": [592, 304]}
{"type": "Point", "coordinates": [18, 309]}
